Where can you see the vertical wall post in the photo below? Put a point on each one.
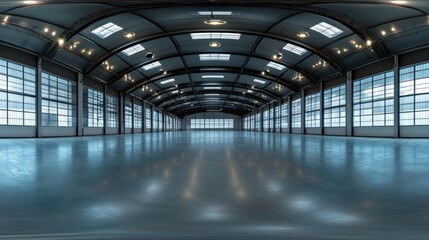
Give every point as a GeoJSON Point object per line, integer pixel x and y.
{"type": "Point", "coordinates": [322, 110]}
{"type": "Point", "coordinates": [349, 103]}
{"type": "Point", "coordinates": [396, 120]}
{"type": "Point", "coordinates": [303, 112]}
{"type": "Point", "coordinates": [39, 98]}
{"type": "Point", "coordinates": [121, 114]}
{"type": "Point", "coordinates": [79, 114]}
{"type": "Point", "coordinates": [289, 114]}
{"type": "Point", "coordinates": [105, 110]}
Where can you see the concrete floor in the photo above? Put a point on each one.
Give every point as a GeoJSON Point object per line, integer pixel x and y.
{"type": "Point", "coordinates": [214, 185]}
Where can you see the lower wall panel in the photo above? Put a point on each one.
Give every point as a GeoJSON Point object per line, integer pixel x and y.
{"type": "Point", "coordinates": [138, 130]}
{"type": "Point", "coordinates": [112, 131]}
{"type": "Point", "coordinates": [17, 131]}
{"type": "Point", "coordinates": [374, 132]}
{"type": "Point", "coordinates": [414, 131]}
{"type": "Point", "coordinates": [296, 130]}
{"type": "Point", "coordinates": [92, 131]}
{"type": "Point", "coordinates": [314, 131]}
{"type": "Point", "coordinates": [335, 131]}
{"type": "Point", "coordinates": [58, 131]}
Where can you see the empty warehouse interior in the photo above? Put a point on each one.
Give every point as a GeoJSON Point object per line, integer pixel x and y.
{"type": "Point", "coordinates": [214, 119]}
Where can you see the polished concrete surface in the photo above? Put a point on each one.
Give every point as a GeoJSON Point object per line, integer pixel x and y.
{"type": "Point", "coordinates": [214, 185]}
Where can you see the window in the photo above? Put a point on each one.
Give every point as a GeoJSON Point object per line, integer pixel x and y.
{"type": "Point", "coordinates": [266, 120]}
{"type": "Point", "coordinates": [148, 121]}
{"type": "Point", "coordinates": [155, 121]}
{"type": "Point", "coordinates": [296, 113]}
{"type": "Point", "coordinates": [276, 66]}
{"type": "Point", "coordinates": [414, 95]}
{"type": "Point", "coordinates": [258, 122]}
{"type": "Point", "coordinates": [93, 108]}
{"type": "Point", "coordinates": [133, 50]}
{"type": "Point", "coordinates": [312, 110]}
{"type": "Point", "coordinates": [151, 65]}
{"type": "Point", "coordinates": [295, 49]}
{"type": "Point", "coordinates": [214, 57]}
{"type": "Point", "coordinates": [17, 94]}
{"type": "Point", "coordinates": [138, 116]}
{"type": "Point", "coordinates": [106, 30]}
{"type": "Point", "coordinates": [201, 123]}
{"type": "Point", "coordinates": [373, 101]}
{"type": "Point", "coordinates": [335, 106]}
{"type": "Point", "coordinates": [128, 114]}
{"type": "Point", "coordinates": [112, 112]}
{"type": "Point", "coordinates": [277, 117]}
{"type": "Point", "coordinates": [58, 101]}
{"type": "Point", "coordinates": [160, 122]}
{"type": "Point", "coordinates": [284, 116]}
{"type": "Point", "coordinates": [216, 35]}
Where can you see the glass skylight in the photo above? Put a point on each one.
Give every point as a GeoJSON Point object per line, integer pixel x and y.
{"type": "Point", "coordinates": [212, 88]}
{"type": "Point", "coordinates": [295, 49]}
{"type": "Point", "coordinates": [106, 30]}
{"type": "Point", "coordinates": [276, 66]}
{"type": "Point", "coordinates": [167, 81]}
{"type": "Point", "coordinates": [259, 81]}
{"type": "Point", "coordinates": [326, 29]}
{"type": "Point", "coordinates": [214, 57]}
{"type": "Point", "coordinates": [249, 91]}
{"type": "Point", "coordinates": [212, 76]}
{"type": "Point", "coordinates": [212, 94]}
{"type": "Point", "coordinates": [133, 49]}
{"type": "Point", "coordinates": [175, 91]}
{"type": "Point", "coordinates": [215, 13]}
{"type": "Point", "coordinates": [215, 35]}
{"type": "Point", "coordinates": [151, 65]}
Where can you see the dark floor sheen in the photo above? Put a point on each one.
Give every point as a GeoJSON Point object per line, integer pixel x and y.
{"type": "Point", "coordinates": [214, 185]}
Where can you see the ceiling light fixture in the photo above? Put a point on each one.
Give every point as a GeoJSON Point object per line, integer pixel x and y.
{"type": "Point", "coordinates": [277, 56]}
{"type": "Point", "coordinates": [129, 34]}
{"type": "Point", "coordinates": [60, 41]}
{"type": "Point", "coordinates": [215, 22]}
{"type": "Point", "coordinates": [399, 2]}
{"type": "Point", "coordinates": [303, 34]}
{"type": "Point", "coordinates": [214, 44]}
{"type": "Point", "coordinates": [30, 2]}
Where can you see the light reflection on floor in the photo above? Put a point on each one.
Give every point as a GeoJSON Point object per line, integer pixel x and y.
{"type": "Point", "coordinates": [226, 185]}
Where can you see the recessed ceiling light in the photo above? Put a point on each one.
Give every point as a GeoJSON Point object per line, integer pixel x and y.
{"type": "Point", "coordinates": [106, 30]}
{"type": "Point", "coordinates": [215, 22]}
{"type": "Point", "coordinates": [175, 91]}
{"type": "Point", "coordinates": [151, 65]}
{"type": "Point", "coordinates": [277, 56]}
{"type": "Point", "coordinates": [259, 81]}
{"type": "Point", "coordinates": [326, 29]}
{"type": "Point", "coordinates": [295, 49]}
{"type": "Point", "coordinates": [215, 35]}
{"type": "Point", "coordinates": [214, 44]}
{"type": "Point", "coordinates": [212, 88]}
{"type": "Point", "coordinates": [368, 42]}
{"type": "Point", "coordinates": [60, 41]}
{"type": "Point", "coordinates": [129, 34]}
{"type": "Point", "coordinates": [212, 94]}
{"type": "Point", "coordinates": [249, 91]}
{"type": "Point", "coordinates": [383, 32]}
{"type": "Point", "coordinates": [302, 34]}
{"type": "Point", "coordinates": [276, 66]}
{"type": "Point", "coordinates": [212, 76]}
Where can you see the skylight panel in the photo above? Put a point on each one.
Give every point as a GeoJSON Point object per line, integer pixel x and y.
{"type": "Point", "coordinates": [175, 91]}
{"type": "Point", "coordinates": [167, 81]}
{"type": "Point", "coordinates": [214, 57]}
{"type": "Point", "coordinates": [212, 94]}
{"type": "Point", "coordinates": [212, 88]}
{"type": "Point", "coordinates": [215, 13]}
{"type": "Point", "coordinates": [212, 76]}
{"type": "Point", "coordinates": [295, 49]}
{"type": "Point", "coordinates": [259, 81]}
{"type": "Point", "coordinates": [106, 30]}
{"type": "Point", "coordinates": [133, 50]}
{"type": "Point", "coordinates": [276, 66]}
{"type": "Point", "coordinates": [215, 35]}
{"type": "Point", "coordinates": [326, 29]}
{"type": "Point", "coordinates": [151, 65]}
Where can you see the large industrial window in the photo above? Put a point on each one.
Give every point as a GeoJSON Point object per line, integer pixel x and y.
{"type": "Point", "coordinates": [277, 117]}
{"type": "Point", "coordinates": [201, 123]}
{"type": "Point", "coordinates": [284, 116]}
{"type": "Point", "coordinates": [271, 119]}
{"type": "Point", "coordinates": [266, 120]}
{"type": "Point", "coordinates": [128, 114]}
{"type": "Point", "coordinates": [148, 121]}
{"type": "Point", "coordinates": [138, 116]}
{"type": "Point", "coordinates": [414, 95]}
{"type": "Point", "coordinates": [373, 101]}
{"type": "Point", "coordinates": [335, 106]}
{"type": "Point", "coordinates": [58, 101]}
{"type": "Point", "coordinates": [17, 94]}
{"type": "Point", "coordinates": [258, 122]}
{"type": "Point", "coordinates": [296, 113]}
{"type": "Point", "coordinates": [160, 122]}
{"type": "Point", "coordinates": [93, 103]}
{"type": "Point", "coordinates": [155, 121]}
{"type": "Point", "coordinates": [312, 110]}
{"type": "Point", "coordinates": [112, 110]}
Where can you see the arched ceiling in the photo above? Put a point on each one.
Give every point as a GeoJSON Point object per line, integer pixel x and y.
{"type": "Point", "coordinates": [240, 75]}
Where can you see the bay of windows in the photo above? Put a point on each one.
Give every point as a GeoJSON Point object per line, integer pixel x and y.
{"type": "Point", "coordinates": [335, 106]}
{"type": "Point", "coordinates": [128, 114]}
{"type": "Point", "coordinates": [138, 116]}
{"type": "Point", "coordinates": [312, 110]}
{"type": "Point", "coordinates": [112, 110]}
{"type": "Point", "coordinates": [93, 102]}
{"type": "Point", "coordinates": [296, 113]}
